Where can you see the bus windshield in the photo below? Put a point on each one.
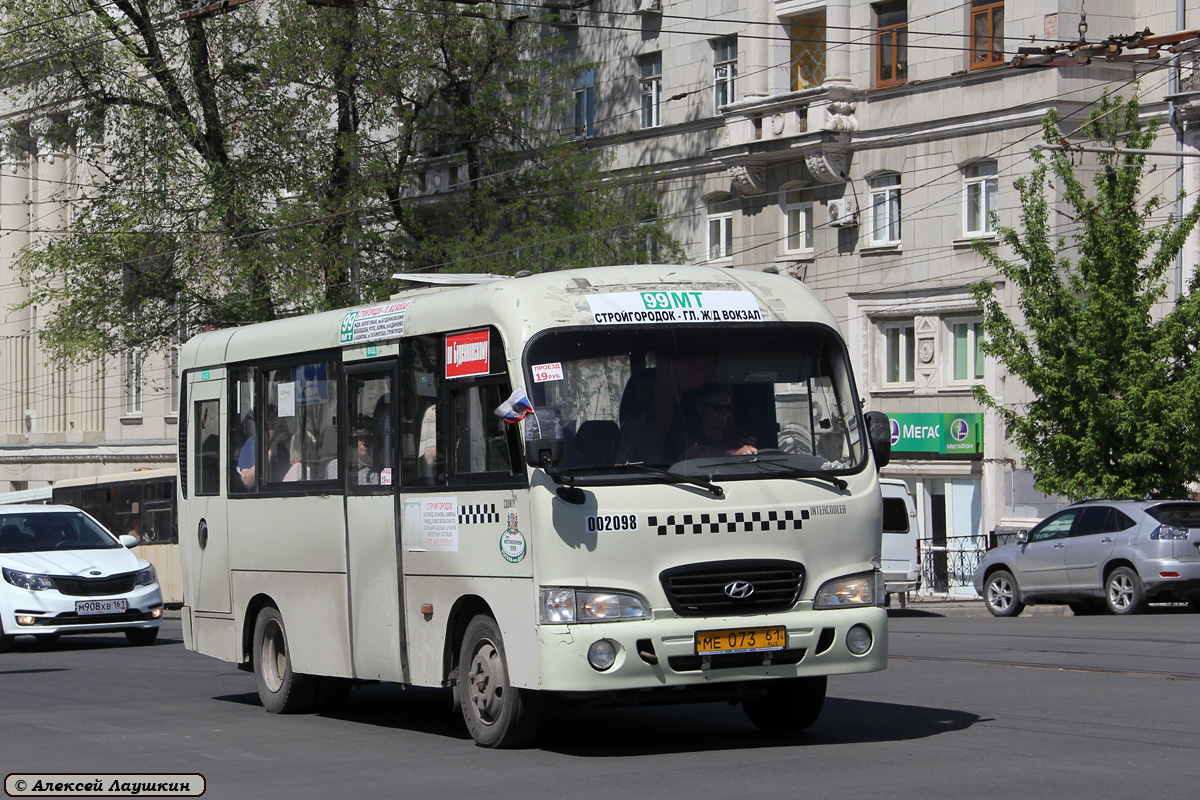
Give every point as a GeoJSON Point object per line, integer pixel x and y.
{"type": "Point", "coordinates": [737, 401]}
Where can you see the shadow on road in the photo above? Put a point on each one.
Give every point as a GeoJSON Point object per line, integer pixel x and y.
{"type": "Point", "coordinates": [653, 730]}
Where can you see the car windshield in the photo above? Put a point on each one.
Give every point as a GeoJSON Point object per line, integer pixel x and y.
{"type": "Point", "coordinates": [52, 530]}
{"type": "Point", "coordinates": [734, 401]}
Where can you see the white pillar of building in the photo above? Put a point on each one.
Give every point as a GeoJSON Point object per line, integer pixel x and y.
{"type": "Point", "coordinates": [755, 55]}
{"type": "Point", "coordinates": [837, 36]}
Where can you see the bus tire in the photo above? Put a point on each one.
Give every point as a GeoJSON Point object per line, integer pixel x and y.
{"type": "Point", "coordinates": [497, 714]}
{"type": "Point", "coordinates": [140, 637]}
{"type": "Point", "coordinates": [790, 705]}
{"type": "Point", "coordinates": [281, 690]}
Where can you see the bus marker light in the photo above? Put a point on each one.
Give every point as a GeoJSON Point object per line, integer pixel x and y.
{"type": "Point", "coordinates": [427, 609]}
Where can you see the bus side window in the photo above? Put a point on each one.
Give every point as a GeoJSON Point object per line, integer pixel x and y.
{"type": "Point", "coordinates": [481, 438]}
{"type": "Point", "coordinates": [371, 441]}
{"type": "Point", "coordinates": [243, 433]}
{"type": "Point", "coordinates": [423, 457]}
{"type": "Point", "coordinates": [207, 451]}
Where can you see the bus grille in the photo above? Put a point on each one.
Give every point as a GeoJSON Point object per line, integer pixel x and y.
{"type": "Point", "coordinates": [698, 590]}
{"type": "Point", "coordinates": [95, 587]}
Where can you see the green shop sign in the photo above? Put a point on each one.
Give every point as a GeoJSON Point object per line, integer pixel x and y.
{"type": "Point", "coordinates": [938, 434]}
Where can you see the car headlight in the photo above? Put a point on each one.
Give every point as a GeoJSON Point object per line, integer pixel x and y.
{"type": "Point", "coordinates": [28, 580]}
{"type": "Point", "coordinates": [856, 590]}
{"type": "Point", "coordinates": [565, 606]}
{"type": "Point", "coordinates": [146, 576]}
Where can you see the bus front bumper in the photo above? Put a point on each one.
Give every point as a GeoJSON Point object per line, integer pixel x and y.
{"type": "Point", "coordinates": [664, 652]}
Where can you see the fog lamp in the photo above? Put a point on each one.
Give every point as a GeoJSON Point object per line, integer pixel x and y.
{"type": "Point", "coordinates": [858, 639]}
{"type": "Point", "coordinates": [602, 654]}
{"type": "Point", "coordinates": [155, 613]}
{"type": "Point", "coordinates": [24, 619]}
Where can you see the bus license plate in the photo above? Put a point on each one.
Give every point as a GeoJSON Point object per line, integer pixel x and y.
{"type": "Point", "coordinates": [745, 640]}
{"type": "Point", "coordinates": [87, 607]}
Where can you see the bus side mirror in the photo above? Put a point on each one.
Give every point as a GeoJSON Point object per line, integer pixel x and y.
{"type": "Point", "coordinates": [879, 434]}
{"type": "Point", "coordinates": [543, 437]}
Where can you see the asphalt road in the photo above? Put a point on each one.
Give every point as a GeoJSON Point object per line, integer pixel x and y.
{"type": "Point", "coordinates": [1062, 707]}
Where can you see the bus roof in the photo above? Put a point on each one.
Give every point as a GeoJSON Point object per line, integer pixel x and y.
{"type": "Point", "coordinates": [518, 307]}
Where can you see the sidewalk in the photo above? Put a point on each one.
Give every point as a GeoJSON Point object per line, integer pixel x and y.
{"type": "Point", "coordinates": [963, 607]}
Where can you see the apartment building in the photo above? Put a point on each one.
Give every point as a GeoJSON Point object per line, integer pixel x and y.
{"type": "Point", "coordinates": [858, 146]}
{"type": "Point", "coordinates": [862, 147]}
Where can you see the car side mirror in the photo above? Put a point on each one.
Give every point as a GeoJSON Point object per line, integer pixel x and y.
{"type": "Point", "coordinates": [879, 434]}
{"type": "Point", "coordinates": [1022, 536]}
{"type": "Point", "coordinates": [127, 540]}
{"type": "Point", "coordinates": [543, 438]}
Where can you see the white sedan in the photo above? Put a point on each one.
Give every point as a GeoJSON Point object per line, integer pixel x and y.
{"type": "Point", "coordinates": [64, 573]}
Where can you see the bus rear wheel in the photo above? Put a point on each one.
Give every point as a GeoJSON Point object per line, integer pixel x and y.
{"type": "Point", "coordinates": [789, 705]}
{"type": "Point", "coordinates": [497, 714]}
{"type": "Point", "coordinates": [281, 690]}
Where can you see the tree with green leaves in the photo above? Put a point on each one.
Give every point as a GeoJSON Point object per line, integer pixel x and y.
{"type": "Point", "coordinates": [1110, 360]}
{"type": "Point", "coordinates": [280, 159]}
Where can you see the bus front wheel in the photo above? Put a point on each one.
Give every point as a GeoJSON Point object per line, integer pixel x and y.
{"type": "Point", "coordinates": [497, 714]}
{"type": "Point", "coordinates": [789, 705]}
{"type": "Point", "coordinates": [281, 690]}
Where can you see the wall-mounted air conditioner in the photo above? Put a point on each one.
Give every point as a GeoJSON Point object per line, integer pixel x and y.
{"type": "Point", "coordinates": [647, 6]}
{"type": "Point", "coordinates": [842, 212]}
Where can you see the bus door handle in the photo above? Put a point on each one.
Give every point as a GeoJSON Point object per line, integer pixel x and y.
{"type": "Point", "coordinates": [202, 534]}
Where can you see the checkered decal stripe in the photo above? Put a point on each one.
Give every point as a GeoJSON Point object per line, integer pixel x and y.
{"type": "Point", "coordinates": [725, 522]}
{"type": "Point", "coordinates": [477, 514]}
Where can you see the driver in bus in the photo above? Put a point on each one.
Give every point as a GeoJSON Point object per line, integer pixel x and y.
{"type": "Point", "coordinates": [709, 428]}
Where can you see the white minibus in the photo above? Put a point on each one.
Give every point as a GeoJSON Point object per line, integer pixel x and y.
{"type": "Point", "coordinates": [635, 484]}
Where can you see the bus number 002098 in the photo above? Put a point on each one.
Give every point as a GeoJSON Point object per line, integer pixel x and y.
{"type": "Point", "coordinates": [612, 522]}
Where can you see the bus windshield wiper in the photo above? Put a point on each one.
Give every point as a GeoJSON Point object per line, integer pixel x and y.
{"type": "Point", "coordinates": [773, 466]}
{"type": "Point", "coordinates": [567, 476]}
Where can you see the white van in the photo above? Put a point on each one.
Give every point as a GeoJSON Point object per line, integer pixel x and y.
{"type": "Point", "coordinates": [901, 552]}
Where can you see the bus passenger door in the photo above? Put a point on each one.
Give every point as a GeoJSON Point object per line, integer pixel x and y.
{"type": "Point", "coordinates": [203, 532]}
{"type": "Point", "coordinates": [369, 445]}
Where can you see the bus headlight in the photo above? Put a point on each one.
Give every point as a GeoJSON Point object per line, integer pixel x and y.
{"type": "Point", "coordinates": [28, 580]}
{"type": "Point", "coordinates": [566, 606]}
{"type": "Point", "coordinates": [855, 590]}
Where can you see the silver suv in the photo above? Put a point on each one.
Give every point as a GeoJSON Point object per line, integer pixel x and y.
{"type": "Point", "coordinates": [1119, 554]}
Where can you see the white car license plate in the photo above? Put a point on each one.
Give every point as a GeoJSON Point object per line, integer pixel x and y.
{"type": "Point", "coordinates": [88, 607]}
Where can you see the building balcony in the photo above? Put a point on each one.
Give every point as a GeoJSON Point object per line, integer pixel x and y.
{"type": "Point", "coordinates": [812, 124]}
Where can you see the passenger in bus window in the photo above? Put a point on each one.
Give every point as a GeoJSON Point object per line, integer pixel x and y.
{"type": "Point", "coordinates": [279, 436]}
{"type": "Point", "coordinates": [246, 466]}
{"type": "Point", "coordinates": [295, 455]}
{"type": "Point", "coordinates": [708, 425]}
{"type": "Point", "coordinates": [361, 473]}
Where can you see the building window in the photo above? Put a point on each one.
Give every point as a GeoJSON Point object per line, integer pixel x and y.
{"type": "Point", "coordinates": [979, 198]}
{"type": "Point", "coordinates": [885, 209]}
{"type": "Point", "coordinates": [900, 354]}
{"type": "Point", "coordinates": [808, 50]}
{"type": "Point", "coordinates": [720, 230]}
{"type": "Point", "coordinates": [585, 104]}
{"type": "Point", "coordinates": [968, 355]}
{"type": "Point", "coordinates": [798, 220]}
{"type": "Point", "coordinates": [520, 8]}
{"type": "Point", "coordinates": [134, 380]}
{"type": "Point", "coordinates": [891, 41]}
{"type": "Point", "coordinates": [724, 72]}
{"type": "Point", "coordinates": [651, 90]}
{"type": "Point", "coordinates": [987, 33]}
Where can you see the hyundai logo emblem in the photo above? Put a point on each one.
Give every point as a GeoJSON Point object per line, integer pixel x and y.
{"type": "Point", "coordinates": [739, 590]}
